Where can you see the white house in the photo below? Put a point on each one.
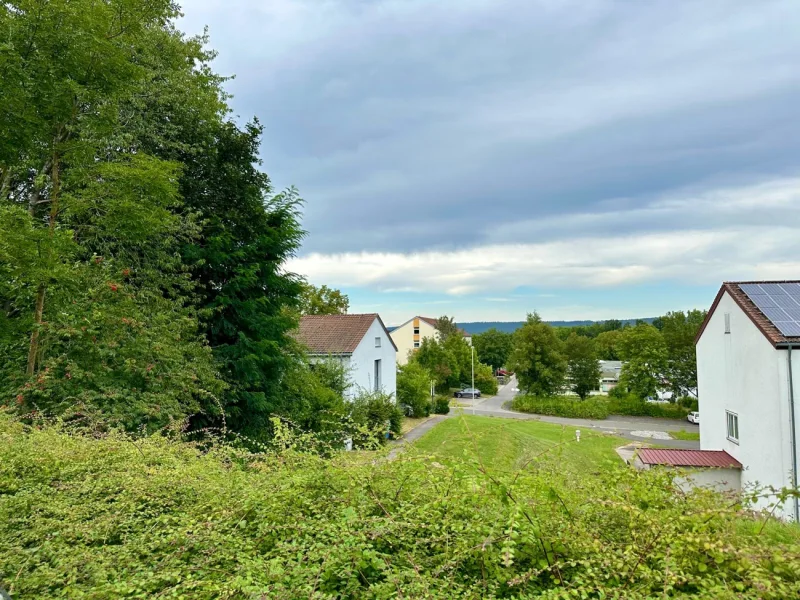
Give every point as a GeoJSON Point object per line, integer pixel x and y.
{"type": "Point", "coordinates": [408, 336]}
{"type": "Point", "coordinates": [748, 382]}
{"type": "Point", "coordinates": [609, 374]}
{"type": "Point", "coordinates": [361, 342]}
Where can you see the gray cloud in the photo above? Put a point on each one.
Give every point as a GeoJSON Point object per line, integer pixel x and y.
{"type": "Point", "coordinates": [411, 125]}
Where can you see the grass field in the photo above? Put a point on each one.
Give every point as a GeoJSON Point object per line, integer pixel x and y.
{"type": "Point", "coordinates": [685, 435]}
{"type": "Point", "coordinates": [506, 444]}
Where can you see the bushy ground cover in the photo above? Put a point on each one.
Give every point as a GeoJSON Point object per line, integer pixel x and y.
{"type": "Point", "coordinates": [106, 515]}
{"type": "Point", "coordinates": [596, 407]}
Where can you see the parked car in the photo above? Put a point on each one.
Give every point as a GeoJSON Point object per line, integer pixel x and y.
{"type": "Point", "coordinates": [694, 417]}
{"type": "Point", "coordinates": [468, 393]}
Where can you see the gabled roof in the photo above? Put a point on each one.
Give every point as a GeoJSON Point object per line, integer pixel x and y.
{"type": "Point", "coordinates": [759, 319]}
{"type": "Point", "coordinates": [336, 334]}
{"type": "Point", "coordinates": [688, 458]}
{"type": "Point", "coordinates": [432, 322]}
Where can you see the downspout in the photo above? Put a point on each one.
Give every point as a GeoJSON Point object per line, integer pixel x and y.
{"type": "Point", "coordinates": [793, 435]}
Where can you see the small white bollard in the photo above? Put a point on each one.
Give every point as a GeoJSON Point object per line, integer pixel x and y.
{"type": "Point", "coordinates": [348, 444]}
{"type": "Point", "coordinates": [577, 435]}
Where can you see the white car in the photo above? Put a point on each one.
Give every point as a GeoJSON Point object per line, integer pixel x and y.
{"type": "Point", "coordinates": [694, 417]}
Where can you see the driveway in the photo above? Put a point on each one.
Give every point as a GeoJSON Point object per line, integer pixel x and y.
{"type": "Point", "coordinates": [618, 425]}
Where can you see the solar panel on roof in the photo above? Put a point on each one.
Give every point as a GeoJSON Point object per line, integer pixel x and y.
{"type": "Point", "coordinates": [780, 303]}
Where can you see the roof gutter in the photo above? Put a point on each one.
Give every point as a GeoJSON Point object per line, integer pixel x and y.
{"type": "Point", "coordinates": [793, 426]}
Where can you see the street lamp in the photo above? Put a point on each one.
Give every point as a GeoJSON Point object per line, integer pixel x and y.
{"type": "Point", "coordinates": [473, 370]}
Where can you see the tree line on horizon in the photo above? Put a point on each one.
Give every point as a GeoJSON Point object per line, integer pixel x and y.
{"type": "Point", "coordinates": [549, 359]}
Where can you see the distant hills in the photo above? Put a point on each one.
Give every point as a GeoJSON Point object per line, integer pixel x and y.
{"type": "Point", "coordinates": [511, 326]}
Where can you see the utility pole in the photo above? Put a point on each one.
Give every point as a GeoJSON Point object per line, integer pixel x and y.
{"type": "Point", "coordinates": [473, 371]}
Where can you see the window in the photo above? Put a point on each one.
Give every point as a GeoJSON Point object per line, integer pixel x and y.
{"type": "Point", "coordinates": [416, 330]}
{"type": "Point", "coordinates": [377, 342]}
{"type": "Point", "coordinates": [378, 375]}
{"type": "Point", "coordinates": [727, 322]}
{"type": "Point", "coordinates": [733, 426]}
{"type": "Point", "coordinates": [416, 344]}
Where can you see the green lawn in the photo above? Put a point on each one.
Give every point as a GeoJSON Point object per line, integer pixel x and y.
{"type": "Point", "coordinates": [507, 444]}
{"type": "Point", "coordinates": [685, 435]}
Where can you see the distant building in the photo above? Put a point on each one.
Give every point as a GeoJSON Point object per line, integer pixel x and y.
{"type": "Point", "coordinates": [609, 374]}
{"type": "Point", "coordinates": [749, 382]}
{"type": "Point", "coordinates": [408, 336]}
{"type": "Point", "coordinates": [361, 342]}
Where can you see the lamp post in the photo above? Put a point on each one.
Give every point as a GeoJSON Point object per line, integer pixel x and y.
{"type": "Point", "coordinates": [473, 371]}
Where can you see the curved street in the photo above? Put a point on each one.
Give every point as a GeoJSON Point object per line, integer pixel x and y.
{"type": "Point", "coordinates": [622, 426]}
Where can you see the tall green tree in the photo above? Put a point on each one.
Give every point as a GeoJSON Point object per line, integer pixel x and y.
{"type": "Point", "coordinates": [679, 331]}
{"type": "Point", "coordinates": [607, 344]}
{"type": "Point", "coordinates": [323, 300]}
{"type": "Point", "coordinates": [414, 389]}
{"type": "Point", "coordinates": [537, 357]}
{"type": "Point", "coordinates": [446, 326]}
{"type": "Point", "coordinates": [583, 368]}
{"type": "Point", "coordinates": [99, 315]}
{"type": "Point", "coordinates": [493, 347]}
{"type": "Point", "coordinates": [644, 353]}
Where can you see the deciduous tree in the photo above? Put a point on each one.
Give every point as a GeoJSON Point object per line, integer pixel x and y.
{"type": "Point", "coordinates": [537, 357]}
{"type": "Point", "coordinates": [583, 368]}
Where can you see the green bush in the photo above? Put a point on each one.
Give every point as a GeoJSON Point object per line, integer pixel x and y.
{"type": "Point", "coordinates": [113, 516]}
{"type": "Point", "coordinates": [414, 389]}
{"type": "Point", "coordinates": [441, 405]}
{"type": "Point", "coordinates": [485, 380]}
{"type": "Point", "coordinates": [376, 412]}
{"type": "Point", "coordinates": [688, 402]}
{"type": "Point", "coordinates": [635, 406]}
{"type": "Point", "coordinates": [562, 406]}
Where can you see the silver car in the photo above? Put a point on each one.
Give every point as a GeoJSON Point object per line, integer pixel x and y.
{"type": "Point", "coordinates": [468, 393]}
{"type": "Point", "coordinates": [693, 417]}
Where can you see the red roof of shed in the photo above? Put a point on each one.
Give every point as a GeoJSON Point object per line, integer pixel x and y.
{"type": "Point", "coordinates": [688, 458]}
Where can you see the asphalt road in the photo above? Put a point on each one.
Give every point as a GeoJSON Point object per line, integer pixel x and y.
{"type": "Point", "coordinates": [617, 425]}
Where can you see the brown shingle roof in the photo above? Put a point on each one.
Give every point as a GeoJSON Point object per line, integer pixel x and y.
{"type": "Point", "coordinates": [688, 458]}
{"type": "Point", "coordinates": [335, 334]}
{"type": "Point", "coordinates": [758, 318]}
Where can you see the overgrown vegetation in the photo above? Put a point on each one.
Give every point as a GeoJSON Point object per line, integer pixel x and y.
{"type": "Point", "coordinates": [596, 407]}
{"type": "Point", "coordinates": [113, 516]}
{"type": "Point", "coordinates": [563, 406]}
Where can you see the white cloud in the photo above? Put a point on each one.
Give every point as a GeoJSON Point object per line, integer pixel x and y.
{"type": "Point", "coordinates": [695, 253]}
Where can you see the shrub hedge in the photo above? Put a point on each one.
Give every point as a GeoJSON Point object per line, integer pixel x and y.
{"type": "Point", "coordinates": [113, 516]}
{"type": "Point", "coordinates": [596, 407]}
{"type": "Point", "coordinates": [563, 406]}
{"type": "Point", "coordinates": [635, 406]}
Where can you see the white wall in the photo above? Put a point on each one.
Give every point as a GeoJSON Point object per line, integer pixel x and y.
{"type": "Point", "coordinates": [721, 480]}
{"type": "Point", "coordinates": [742, 372]}
{"type": "Point", "coordinates": [403, 337]}
{"type": "Point", "coordinates": [362, 362]}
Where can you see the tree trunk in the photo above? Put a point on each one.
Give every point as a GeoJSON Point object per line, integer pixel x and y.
{"type": "Point", "coordinates": [33, 349]}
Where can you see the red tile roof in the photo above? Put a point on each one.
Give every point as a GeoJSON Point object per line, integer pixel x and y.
{"type": "Point", "coordinates": [688, 458]}
{"type": "Point", "coordinates": [758, 318]}
{"type": "Point", "coordinates": [335, 334]}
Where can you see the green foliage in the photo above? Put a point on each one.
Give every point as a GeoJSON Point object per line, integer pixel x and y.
{"type": "Point", "coordinates": [378, 412]}
{"type": "Point", "coordinates": [323, 301]}
{"type": "Point", "coordinates": [583, 368]}
{"type": "Point", "coordinates": [679, 331]}
{"type": "Point", "coordinates": [441, 405]}
{"type": "Point", "coordinates": [414, 389]}
{"type": "Point", "coordinates": [562, 406]}
{"type": "Point", "coordinates": [111, 516]}
{"type": "Point", "coordinates": [644, 353]}
{"type": "Point", "coordinates": [607, 344]}
{"type": "Point", "coordinates": [446, 326]}
{"type": "Point", "coordinates": [685, 435]}
{"type": "Point", "coordinates": [537, 358]}
{"type": "Point", "coordinates": [493, 347]}
{"type": "Point", "coordinates": [634, 406]}
{"type": "Point", "coordinates": [485, 380]}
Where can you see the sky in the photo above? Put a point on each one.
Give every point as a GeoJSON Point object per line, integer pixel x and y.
{"type": "Point", "coordinates": [587, 159]}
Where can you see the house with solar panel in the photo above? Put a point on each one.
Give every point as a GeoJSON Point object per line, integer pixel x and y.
{"type": "Point", "coordinates": [361, 342]}
{"type": "Point", "coordinates": [748, 368]}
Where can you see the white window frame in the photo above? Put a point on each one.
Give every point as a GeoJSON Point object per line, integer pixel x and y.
{"type": "Point", "coordinates": [378, 367]}
{"type": "Point", "coordinates": [416, 330]}
{"type": "Point", "coordinates": [416, 343]}
{"type": "Point", "coordinates": [378, 342]}
{"type": "Point", "coordinates": [732, 426]}
{"type": "Point", "coordinates": [727, 323]}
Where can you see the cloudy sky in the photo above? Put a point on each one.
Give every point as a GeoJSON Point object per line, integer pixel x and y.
{"type": "Point", "coordinates": [485, 158]}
